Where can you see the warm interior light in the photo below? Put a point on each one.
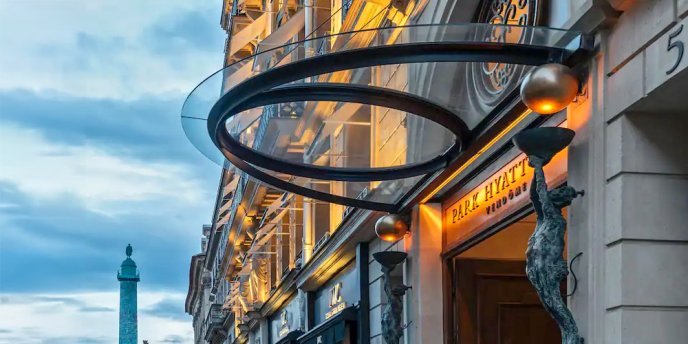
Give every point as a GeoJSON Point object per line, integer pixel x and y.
{"type": "Point", "coordinates": [390, 238]}
{"type": "Point", "coordinates": [544, 107]}
{"type": "Point", "coordinates": [468, 162]}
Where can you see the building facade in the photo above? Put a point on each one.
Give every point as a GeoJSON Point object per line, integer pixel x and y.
{"type": "Point", "coordinates": [128, 277]}
{"type": "Point", "coordinates": [298, 267]}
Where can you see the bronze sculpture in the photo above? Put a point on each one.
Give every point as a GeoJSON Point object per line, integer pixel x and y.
{"type": "Point", "coordinates": [392, 326]}
{"type": "Point", "coordinates": [545, 263]}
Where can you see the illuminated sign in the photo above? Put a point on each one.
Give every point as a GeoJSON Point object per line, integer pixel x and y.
{"type": "Point", "coordinates": [496, 197]}
{"type": "Point", "coordinates": [337, 303]}
{"type": "Point", "coordinates": [497, 191]}
{"type": "Point", "coordinates": [286, 320]}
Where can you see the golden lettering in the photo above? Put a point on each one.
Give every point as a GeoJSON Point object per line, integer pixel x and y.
{"type": "Point", "coordinates": [524, 164]}
{"type": "Point", "coordinates": [475, 200]}
{"type": "Point", "coordinates": [499, 194]}
{"type": "Point", "coordinates": [335, 310]}
{"type": "Point", "coordinates": [497, 183]}
{"type": "Point", "coordinates": [505, 181]}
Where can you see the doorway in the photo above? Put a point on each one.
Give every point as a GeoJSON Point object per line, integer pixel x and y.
{"type": "Point", "coordinates": [494, 303]}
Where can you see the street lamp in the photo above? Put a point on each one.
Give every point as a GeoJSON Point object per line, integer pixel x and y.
{"type": "Point", "coordinates": [549, 88]}
{"type": "Point", "coordinates": [392, 228]}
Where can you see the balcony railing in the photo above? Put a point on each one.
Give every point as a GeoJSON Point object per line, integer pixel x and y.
{"type": "Point", "coordinates": [213, 321]}
{"type": "Point", "coordinates": [269, 112]}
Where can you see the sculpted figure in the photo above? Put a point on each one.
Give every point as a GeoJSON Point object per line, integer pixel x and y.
{"type": "Point", "coordinates": [259, 279]}
{"type": "Point", "coordinates": [545, 263]}
{"type": "Point", "coordinates": [392, 327]}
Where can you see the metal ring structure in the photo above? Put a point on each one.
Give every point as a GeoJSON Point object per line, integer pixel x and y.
{"type": "Point", "coordinates": [233, 102]}
{"type": "Point", "coordinates": [272, 86]}
{"type": "Point", "coordinates": [367, 95]}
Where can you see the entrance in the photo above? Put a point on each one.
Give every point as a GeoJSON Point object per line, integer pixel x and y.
{"type": "Point", "coordinates": [494, 303]}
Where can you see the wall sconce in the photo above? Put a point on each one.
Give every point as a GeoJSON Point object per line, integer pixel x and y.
{"type": "Point", "coordinates": [392, 227]}
{"type": "Point", "coordinates": [549, 88]}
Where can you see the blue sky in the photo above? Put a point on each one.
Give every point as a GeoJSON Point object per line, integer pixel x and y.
{"type": "Point", "coordinates": [92, 157]}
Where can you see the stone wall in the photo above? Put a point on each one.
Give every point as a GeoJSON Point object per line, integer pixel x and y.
{"type": "Point", "coordinates": [630, 157]}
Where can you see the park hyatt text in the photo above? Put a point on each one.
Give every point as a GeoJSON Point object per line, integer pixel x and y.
{"type": "Point", "coordinates": [497, 191]}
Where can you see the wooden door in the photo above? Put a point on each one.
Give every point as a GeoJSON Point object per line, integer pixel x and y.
{"type": "Point", "coordinates": [496, 304]}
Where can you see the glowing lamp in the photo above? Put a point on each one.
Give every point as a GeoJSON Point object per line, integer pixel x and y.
{"type": "Point", "coordinates": [391, 227]}
{"type": "Point", "coordinates": [549, 88]}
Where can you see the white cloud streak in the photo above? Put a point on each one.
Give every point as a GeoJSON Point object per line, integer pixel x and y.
{"type": "Point", "coordinates": [97, 48]}
{"type": "Point", "coordinates": [70, 318]}
{"type": "Point", "coordinates": [104, 183]}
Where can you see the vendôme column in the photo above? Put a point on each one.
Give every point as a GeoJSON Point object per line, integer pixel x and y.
{"type": "Point", "coordinates": [128, 277]}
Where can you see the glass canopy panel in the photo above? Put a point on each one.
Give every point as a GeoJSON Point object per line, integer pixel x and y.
{"type": "Point", "coordinates": [200, 101]}
{"type": "Point", "coordinates": [383, 192]}
{"type": "Point", "coordinates": [341, 135]}
{"type": "Point", "coordinates": [488, 86]}
{"type": "Point", "coordinates": [466, 70]}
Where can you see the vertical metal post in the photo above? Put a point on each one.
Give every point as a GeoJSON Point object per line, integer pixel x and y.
{"type": "Point", "coordinates": [362, 266]}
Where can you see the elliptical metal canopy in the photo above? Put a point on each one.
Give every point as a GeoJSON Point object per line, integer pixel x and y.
{"type": "Point", "coordinates": [227, 115]}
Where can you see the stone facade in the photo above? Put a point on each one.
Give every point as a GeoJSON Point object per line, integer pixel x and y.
{"type": "Point", "coordinates": [629, 155]}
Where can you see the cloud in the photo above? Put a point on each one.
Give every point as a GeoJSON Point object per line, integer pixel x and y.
{"type": "Point", "coordinates": [115, 49]}
{"type": "Point", "coordinates": [76, 340]}
{"type": "Point", "coordinates": [81, 181]}
{"type": "Point", "coordinates": [189, 31]}
{"type": "Point", "coordinates": [175, 339]}
{"type": "Point", "coordinates": [53, 302]}
{"type": "Point", "coordinates": [170, 308]}
{"type": "Point", "coordinates": [92, 157]}
{"type": "Point", "coordinates": [98, 180]}
{"type": "Point", "coordinates": [146, 128]}
{"type": "Point", "coordinates": [60, 246]}
{"type": "Point", "coordinates": [60, 318]}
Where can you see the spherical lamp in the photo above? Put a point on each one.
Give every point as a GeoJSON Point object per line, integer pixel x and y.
{"type": "Point", "coordinates": [391, 227]}
{"type": "Point", "coordinates": [549, 88]}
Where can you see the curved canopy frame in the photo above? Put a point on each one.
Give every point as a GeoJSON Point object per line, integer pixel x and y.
{"type": "Point", "coordinates": [269, 85]}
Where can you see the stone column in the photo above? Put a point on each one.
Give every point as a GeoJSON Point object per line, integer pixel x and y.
{"type": "Point", "coordinates": [128, 277]}
{"type": "Point", "coordinates": [424, 303]}
{"type": "Point", "coordinates": [308, 229]}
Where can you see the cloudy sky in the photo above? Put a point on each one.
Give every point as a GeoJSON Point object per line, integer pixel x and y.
{"type": "Point", "coordinates": [92, 157]}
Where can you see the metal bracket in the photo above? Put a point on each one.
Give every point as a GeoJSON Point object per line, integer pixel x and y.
{"type": "Point", "coordinates": [573, 274]}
